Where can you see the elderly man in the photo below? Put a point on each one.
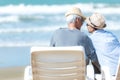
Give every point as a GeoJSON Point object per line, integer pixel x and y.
{"type": "Point", "coordinates": [72, 36]}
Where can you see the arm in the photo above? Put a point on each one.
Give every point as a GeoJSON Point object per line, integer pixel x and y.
{"type": "Point", "coordinates": [91, 54]}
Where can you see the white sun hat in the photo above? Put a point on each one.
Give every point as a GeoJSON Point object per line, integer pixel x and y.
{"type": "Point", "coordinates": [96, 20]}
{"type": "Point", "coordinates": [75, 11]}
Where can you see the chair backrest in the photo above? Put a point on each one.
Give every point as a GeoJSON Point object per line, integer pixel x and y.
{"type": "Point", "coordinates": [118, 72]}
{"type": "Point", "coordinates": [58, 63]}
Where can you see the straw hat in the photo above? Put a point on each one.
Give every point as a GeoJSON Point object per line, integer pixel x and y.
{"type": "Point", "coordinates": [76, 11]}
{"type": "Point", "coordinates": [96, 20]}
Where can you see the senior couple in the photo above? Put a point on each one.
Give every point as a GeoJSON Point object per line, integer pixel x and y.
{"type": "Point", "coordinates": [102, 47]}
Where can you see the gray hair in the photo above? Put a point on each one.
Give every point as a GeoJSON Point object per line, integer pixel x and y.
{"type": "Point", "coordinates": [72, 18]}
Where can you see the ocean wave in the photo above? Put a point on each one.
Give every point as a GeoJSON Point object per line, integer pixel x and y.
{"type": "Point", "coordinates": [28, 30]}
{"type": "Point", "coordinates": [18, 13]}
{"type": "Point", "coordinates": [25, 44]}
{"type": "Point", "coordinates": [9, 19]}
{"type": "Point", "coordinates": [57, 9]}
{"type": "Point", "coordinates": [110, 26]}
{"type": "Point", "coordinates": [20, 18]}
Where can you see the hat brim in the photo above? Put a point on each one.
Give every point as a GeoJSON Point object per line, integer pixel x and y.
{"type": "Point", "coordinates": [75, 11]}
{"type": "Point", "coordinates": [88, 22]}
{"type": "Point", "coordinates": [84, 18]}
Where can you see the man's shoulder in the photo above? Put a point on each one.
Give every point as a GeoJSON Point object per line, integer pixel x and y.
{"type": "Point", "coordinates": [84, 34]}
{"type": "Point", "coordinates": [60, 29]}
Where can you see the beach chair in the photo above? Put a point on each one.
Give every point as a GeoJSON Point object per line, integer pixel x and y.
{"type": "Point", "coordinates": [117, 77]}
{"type": "Point", "coordinates": [118, 72]}
{"type": "Point", "coordinates": [58, 63]}
{"type": "Point", "coordinates": [28, 73]}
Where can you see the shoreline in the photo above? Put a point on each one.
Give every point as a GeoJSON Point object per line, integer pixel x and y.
{"type": "Point", "coordinates": [12, 73]}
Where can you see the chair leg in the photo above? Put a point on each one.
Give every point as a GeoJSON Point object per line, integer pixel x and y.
{"type": "Point", "coordinates": [90, 72]}
{"type": "Point", "coordinates": [28, 73]}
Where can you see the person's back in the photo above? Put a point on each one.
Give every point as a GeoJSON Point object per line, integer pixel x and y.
{"type": "Point", "coordinates": [106, 44]}
{"type": "Point", "coordinates": [72, 36]}
{"type": "Point", "coordinates": [67, 37]}
{"type": "Point", "coordinates": [107, 48]}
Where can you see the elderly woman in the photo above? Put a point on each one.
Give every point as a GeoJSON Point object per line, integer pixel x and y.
{"type": "Point", "coordinates": [106, 44]}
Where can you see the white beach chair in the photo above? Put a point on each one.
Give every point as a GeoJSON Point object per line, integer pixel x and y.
{"type": "Point", "coordinates": [117, 77]}
{"type": "Point", "coordinates": [74, 54]}
{"type": "Point", "coordinates": [118, 72]}
{"type": "Point", "coordinates": [28, 73]}
{"type": "Point", "coordinates": [58, 63]}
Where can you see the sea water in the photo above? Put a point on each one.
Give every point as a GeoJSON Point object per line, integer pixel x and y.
{"type": "Point", "coordinates": [26, 23]}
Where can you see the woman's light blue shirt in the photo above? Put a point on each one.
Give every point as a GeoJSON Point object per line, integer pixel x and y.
{"type": "Point", "coordinates": [107, 49]}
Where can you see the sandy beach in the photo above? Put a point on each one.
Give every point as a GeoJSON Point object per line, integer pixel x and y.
{"type": "Point", "coordinates": [12, 73]}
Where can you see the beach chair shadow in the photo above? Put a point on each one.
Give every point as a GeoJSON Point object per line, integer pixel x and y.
{"type": "Point", "coordinates": [58, 63]}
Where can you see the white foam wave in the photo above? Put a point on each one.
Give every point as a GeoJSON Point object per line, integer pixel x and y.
{"type": "Point", "coordinates": [100, 8]}
{"type": "Point", "coordinates": [28, 30]}
{"type": "Point", "coordinates": [9, 19]}
{"type": "Point", "coordinates": [110, 26]}
{"type": "Point", "coordinates": [16, 13]}
{"type": "Point", "coordinates": [57, 9]}
{"type": "Point", "coordinates": [30, 9]}
{"type": "Point", "coordinates": [27, 44]}
{"type": "Point", "coordinates": [18, 18]}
